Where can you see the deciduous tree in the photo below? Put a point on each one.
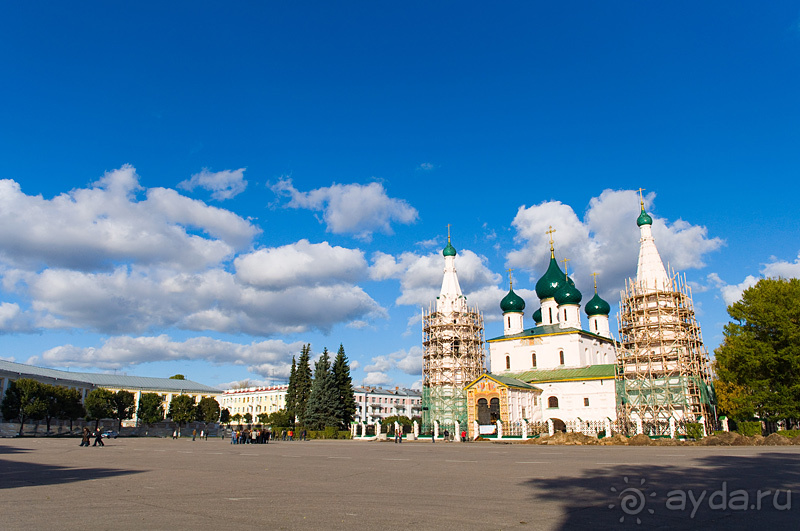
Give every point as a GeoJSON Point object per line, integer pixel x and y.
{"type": "Point", "coordinates": [99, 404]}
{"type": "Point", "coordinates": [182, 410]}
{"type": "Point", "coordinates": [123, 405]}
{"type": "Point", "coordinates": [208, 410]}
{"type": "Point", "coordinates": [758, 363]}
{"type": "Point", "coordinates": [151, 408]}
{"type": "Point", "coordinates": [24, 401]}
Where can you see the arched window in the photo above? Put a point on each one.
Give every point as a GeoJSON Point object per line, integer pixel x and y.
{"type": "Point", "coordinates": [550, 312]}
{"type": "Point", "coordinates": [595, 325]}
{"type": "Point", "coordinates": [565, 315]}
{"type": "Point", "coordinates": [552, 402]}
{"type": "Point", "coordinates": [533, 360]}
{"type": "Point", "coordinates": [561, 357]}
{"type": "Point", "coordinates": [508, 362]}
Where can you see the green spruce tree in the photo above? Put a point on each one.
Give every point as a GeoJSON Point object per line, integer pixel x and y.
{"type": "Point", "coordinates": [321, 407]}
{"type": "Point", "coordinates": [291, 392]}
{"type": "Point", "coordinates": [302, 382]}
{"type": "Point", "coordinates": [346, 405]}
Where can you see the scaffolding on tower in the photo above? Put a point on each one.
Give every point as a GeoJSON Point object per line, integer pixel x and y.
{"type": "Point", "coordinates": [454, 357]}
{"type": "Point", "coordinates": [663, 370]}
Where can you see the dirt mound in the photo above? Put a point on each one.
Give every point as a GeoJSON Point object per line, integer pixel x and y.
{"type": "Point", "coordinates": [776, 440]}
{"type": "Point", "coordinates": [639, 440]}
{"type": "Point", "coordinates": [616, 439]}
{"type": "Point", "coordinates": [728, 438]}
{"type": "Point", "coordinates": [567, 439]}
{"type": "Point", "coordinates": [665, 442]}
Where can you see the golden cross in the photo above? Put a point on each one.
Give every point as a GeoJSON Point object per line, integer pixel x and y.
{"type": "Point", "coordinates": [641, 197]}
{"type": "Point", "coordinates": [595, 281]}
{"type": "Point", "coordinates": [448, 233]}
{"type": "Point", "coordinates": [550, 232]}
{"type": "Point", "coordinates": [510, 282]}
{"type": "Point", "coordinates": [565, 260]}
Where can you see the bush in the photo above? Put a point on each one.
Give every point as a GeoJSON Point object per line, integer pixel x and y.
{"type": "Point", "coordinates": [694, 430]}
{"type": "Point", "coordinates": [601, 434]}
{"type": "Point", "coordinates": [789, 433]}
{"type": "Point", "coordinates": [748, 429]}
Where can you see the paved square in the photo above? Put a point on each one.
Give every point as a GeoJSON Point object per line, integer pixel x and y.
{"type": "Point", "coordinates": [135, 483]}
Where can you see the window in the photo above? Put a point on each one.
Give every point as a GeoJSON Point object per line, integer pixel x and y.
{"type": "Point", "coordinates": [595, 325]}
{"type": "Point", "coordinates": [552, 402]}
{"type": "Point", "coordinates": [533, 360]}
{"type": "Point", "coordinates": [586, 402]}
{"type": "Point", "coordinates": [508, 362]}
{"type": "Point", "coordinates": [509, 322]}
{"type": "Point", "coordinates": [565, 315]}
{"type": "Point", "coordinates": [523, 412]}
{"type": "Point", "coordinates": [550, 313]}
{"type": "Point", "coordinates": [561, 357]}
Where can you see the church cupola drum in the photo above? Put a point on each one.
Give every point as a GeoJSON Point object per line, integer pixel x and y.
{"type": "Point", "coordinates": [453, 340]}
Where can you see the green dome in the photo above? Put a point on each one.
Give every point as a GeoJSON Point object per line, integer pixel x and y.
{"type": "Point", "coordinates": [568, 294]}
{"type": "Point", "coordinates": [512, 302]}
{"type": "Point", "coordinates": [449, 250]}
{"type": "Point", "coordinates": [537, 316]}
{"type": "Point", "coordinates": [597, 306]}
{"type": "Point", "coordinates": [552, 280]}
{"type": "Point", "coordinates": [644, 219]}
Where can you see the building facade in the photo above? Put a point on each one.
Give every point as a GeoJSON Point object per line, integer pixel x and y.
{"type": "Point", "coordinates": [254, 400]}
{"type": "Point", "coordinates": [373, 404]}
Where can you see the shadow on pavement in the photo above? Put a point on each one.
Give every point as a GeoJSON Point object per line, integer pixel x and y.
{"type": "Point", "coordinates": [730, 492]}
{"type": "Point", "coordinates": [14, 474]}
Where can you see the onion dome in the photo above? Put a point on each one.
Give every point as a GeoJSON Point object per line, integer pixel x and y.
{"type": "Point", "coordinates": [597, 306]}
{"type": "Point", "coordinates": [512, 303]}
{"type": "Point", "coordinates": [537, 316]}
{"type": "Point", "coordinates": [644, 218]}
{"type": "Point", "coordinates": [551, 282]}
{"type": "Point", "coordinates": [449, 250]}
{"type": "Point", "coordinates": [568, 294]}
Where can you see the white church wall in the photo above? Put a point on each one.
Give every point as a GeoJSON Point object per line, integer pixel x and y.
{"type": "Point", "coordinates": [571, 397]}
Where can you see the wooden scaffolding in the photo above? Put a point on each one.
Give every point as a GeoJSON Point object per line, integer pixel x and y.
{"type": "Point", "coordinates": [663, 368]}
{"type": "Point", "coordinates": [454, 357]}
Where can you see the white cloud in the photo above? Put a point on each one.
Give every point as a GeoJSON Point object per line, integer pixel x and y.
{"type": "Point", "coordinates": [301, 263]}
{"type": "Point", "coordinates": [94, 227]}
{"type": "Point", "coordinates": [376, 378]}
{"type": "Point", "coordinates": [606, 241]}
{"type": "Point", "coordinates": [776, 268]}
{"type": "Point", "coordinates": [271, 358]}
{"type": "Point", "coordinates": [222, 184]}
{"type": "Point", "coordinates": [136, 300]}
{"type": "Point", "coordinates": [351, 208]}
{"type": "Point", "coordinates": [14, 320]}
{"type": "Point", "coordinates": [409, 362]}
{"type": "Point", "coordinates": [420, 277]}
{"type": "Point", "coordinates": [425, 166]}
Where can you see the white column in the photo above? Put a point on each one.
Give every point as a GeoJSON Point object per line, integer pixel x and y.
{"type": "Point", "coordinates": [639, 427]}
{"type": "Point", "coordinates": [475, 429]}
{"type": "Point", "coordinates": [457, 431]}
{"type": "Point", "coordinates": [702, 422]}
{"type": "Point", "coordinates": [608, 427]}
{"type": "Point", "coordinates": [416, 430]}
{"type": "Point", "coordinates": [499, 429]}
{"type": "Point", "coordinates": [524, 430]}
{"type": "Point", "coordinates": [724, 421]}
{"type": "Point", "coordinates": [435, 429]}
{"type": "Point", "coordinates": [550, 428]}
{"type": "Point", "coordinates": [671, 428]}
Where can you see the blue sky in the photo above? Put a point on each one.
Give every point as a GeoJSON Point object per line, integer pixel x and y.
{"type": "Point", "coordinates": [203, 188]}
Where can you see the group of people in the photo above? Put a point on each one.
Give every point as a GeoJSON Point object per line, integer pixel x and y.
{"type": "Point", "coordinates": [247, 436]}
{"type": "Point", "coordinates": [87, 436]}
{"type": "Point", "coordinates": [263, 436]}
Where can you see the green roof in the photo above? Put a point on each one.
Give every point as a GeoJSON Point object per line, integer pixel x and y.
{"type": "Point", "coordinates": [546, 330]}
{"type": "Point", "coordinates": [551, 281]}
{"type": "Point", "coordinates": [505, 380]}
{"type": "Point", "coordinates": [644, 219]}
{"type": "Point", "coordinates": [597, 306]}
{"type": "Point", "coordinates": [512, 302]}
{"type": "Point", "coordinates": [449, 250]}
{"type": "Point", "coordinates": [558, 375]}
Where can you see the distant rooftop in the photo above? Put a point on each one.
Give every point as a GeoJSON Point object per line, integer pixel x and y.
{"type": "Point", "coordinates": [119, 381]}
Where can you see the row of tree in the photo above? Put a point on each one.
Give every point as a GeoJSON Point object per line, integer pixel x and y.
{"type": "Point", "coordinates": [325, 400]}
{"type": "Point", "coordinates": [29, 400]}
{"type": "Point", "coordinates": [757, 365]}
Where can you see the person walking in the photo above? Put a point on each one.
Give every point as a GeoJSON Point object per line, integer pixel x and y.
{"type": "Point", "coordinates": [85, 437]}
{"type": "Point", "coordinates": [98, 438]}
{"type": "Point", "coordinates": [194, 434]}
